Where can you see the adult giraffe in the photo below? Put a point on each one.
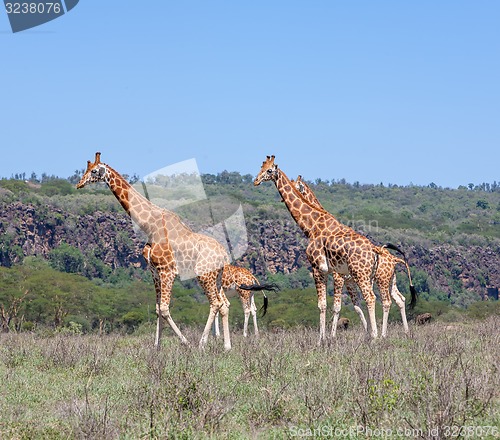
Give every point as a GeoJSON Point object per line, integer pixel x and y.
{"type": "Point", "coordinates": [385, 275]}
{"type": "Point", "coordinates": [172, 248]}
{"type": "Point", "coordinates": [338, 279]}
{"type": "Point", "coordinates": [332, 247]}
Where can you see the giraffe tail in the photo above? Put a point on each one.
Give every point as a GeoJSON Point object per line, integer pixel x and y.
{"type": "Point", "coordinates": [404, 261]}
{"type": "Point", "coordinates": [394, 248]}
{"type": "Point", "coordinates": [261, 288]}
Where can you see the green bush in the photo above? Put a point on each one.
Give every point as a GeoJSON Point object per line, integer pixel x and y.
{"type": "Point", "coordinates": [131, 320]}
{"type": "Point", "coordinates": [66, 258]}
{"type": "Point", "coordinates": [57, 187]}
{"type": "Point", "coordinates": [483, 309]}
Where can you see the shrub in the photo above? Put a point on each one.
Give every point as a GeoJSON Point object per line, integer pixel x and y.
{"type": "Point", "coordinates": [66, 258]}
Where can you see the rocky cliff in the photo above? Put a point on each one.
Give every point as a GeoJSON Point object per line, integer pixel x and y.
{"type": "Point", "coordinates": [274, 246]}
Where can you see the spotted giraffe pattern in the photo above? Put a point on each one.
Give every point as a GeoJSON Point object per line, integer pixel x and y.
{"type": "Point", "coordinates": [331, 248]}
{"type": "Point", "coordinates": [241, 280]}
{"type": "Point", "coordinates": [172, 249]}
{"type": "Point", "coordinates": [385, 276]}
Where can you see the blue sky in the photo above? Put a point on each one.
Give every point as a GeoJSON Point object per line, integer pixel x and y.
{"type": "Point", "coordinates": [370, 91]}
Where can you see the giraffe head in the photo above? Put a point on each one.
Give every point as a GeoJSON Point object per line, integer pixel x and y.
{"type": "Point", "coordinates": [306, 193]}
{"type": "Point", "coordinates": [299, 185]}
{"type": "Point", "coordinates": [95, 172]}
{"type": "Point", "coordinates": [269, 171]}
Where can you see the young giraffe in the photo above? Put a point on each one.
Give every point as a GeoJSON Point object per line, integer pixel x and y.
{"type": "Point", "coordinates": [385, 276]}
{"type": "Point", "coordinates": [172, 249]}
{"type": "Point", "coordinates": [236, 278]}
{"type": "Point", "coordinates": [332, 247]}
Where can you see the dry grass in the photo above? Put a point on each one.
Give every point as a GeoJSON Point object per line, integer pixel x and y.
{"type": "Point", "coordinates": [280, 386]}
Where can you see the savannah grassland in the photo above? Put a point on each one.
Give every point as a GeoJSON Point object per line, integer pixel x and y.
{"type": "Point", "coordinates": [441, 381]}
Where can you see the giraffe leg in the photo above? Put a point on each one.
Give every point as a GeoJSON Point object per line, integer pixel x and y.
{"type": "Point", "coordinates": [386, 306]}
{"type": "Point", "coordinates": [166, 280]}
{"type": "Point", "coordinates": [320, 279]}
{"type": "Point", "coordinates": [353, 293]}
{"type": "Point", "coordinates": [338, 284]}
{"type": "Point", "coordinates": [253, 310]}
{"type": "Point", "coordinates": [246, 311]}
{"type": "Point", "coordinates": [246, 302]}
{"type": "Point", "coordinates": [159, 319]}
{"type": "Point", "coordinates": [146, 252]}
{"type": "Point", "coordinates": [216, 320]}
{"type": "Point", "coordinates": [400, 301]}
{"type": "Point", "coordinates": [159, 326]}
{"type": "Point", "coordinates": [218, 303]}
{"type": "Point", "coordinates": [211, 316]}
{"type": "Point", "coordinates": [366, 287]}
{"type": "Point", "coordinates": [224, 311]}
{"type": "Point", "coordinates": [216, 325]}
{"type": "Point", "coordinates": [371, 316]}
{"type": "Point", "coordinates": [385, 297]}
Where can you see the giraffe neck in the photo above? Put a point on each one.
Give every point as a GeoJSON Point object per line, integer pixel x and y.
{"type": "Point", "coordinates": [157, 223]}
{"type": "Point", "coordinates": [300, 210]}
{"type": "Point", "coordinates": [144, 214]}
{"type": "Point", "coordinates": [311, 198]}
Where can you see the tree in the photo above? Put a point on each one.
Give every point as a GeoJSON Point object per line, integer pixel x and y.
{"type": "Point", "coordinates": [10, 315]}
{"type": "Point", "coordinates": [133, 318]}
{"type": "Point", "coordinates": [57, 186]}
{"type": "Point", "coordinates": [66, 258]}
{"type": "Point", "coordinates": [483, 204]}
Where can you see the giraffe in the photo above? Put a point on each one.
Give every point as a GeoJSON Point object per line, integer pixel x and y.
{"type": "Point", "coordinates": [332, 247]}
{"type": "Point", "coordinates": [236, 278]}
{"type": "Point", "coordinates": [338, 279]}
{"type": "Point", "coordinates": [384, 276]}
{"type": "Point", "coordinates": [172, 248]}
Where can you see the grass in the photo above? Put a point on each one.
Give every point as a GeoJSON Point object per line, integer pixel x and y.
{"type": "Point", "coordinates": [280, 386]}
